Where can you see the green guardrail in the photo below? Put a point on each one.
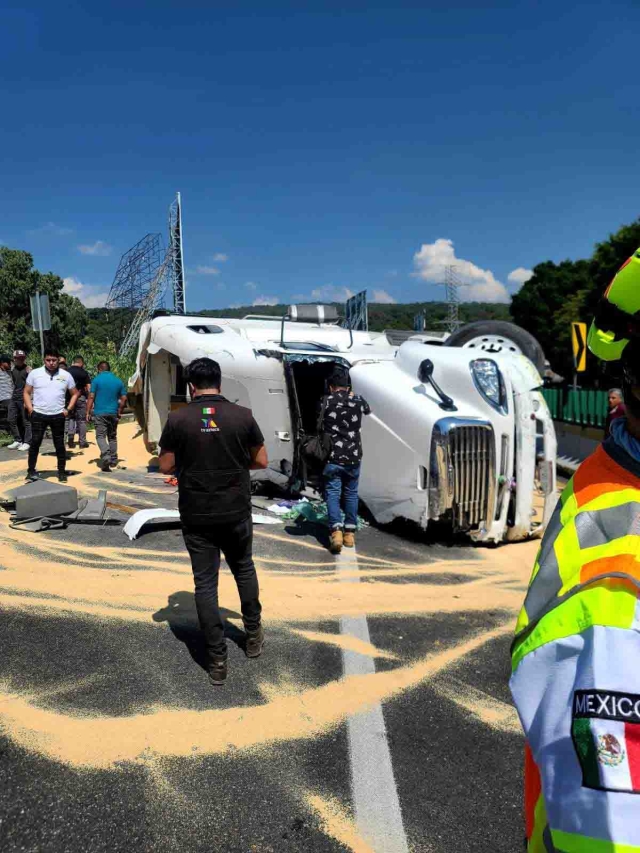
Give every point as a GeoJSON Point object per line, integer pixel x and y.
{"type": "Point", "coordinates": [584, 406]}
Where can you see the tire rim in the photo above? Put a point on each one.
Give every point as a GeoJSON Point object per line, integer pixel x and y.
{"type": "Point", "coordinates": [493, 344]}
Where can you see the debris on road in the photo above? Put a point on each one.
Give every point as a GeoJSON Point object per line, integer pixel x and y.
{"type": "Point", "coordinates": [135, 524]}
{"type": "Point", "coordinates": [316, 513]}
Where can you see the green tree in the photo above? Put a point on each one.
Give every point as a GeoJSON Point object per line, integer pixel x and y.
{"type": "Point", "coordinates": [548, 303]}
{"type": "Point", "coordinates": [18, 281]}
{"type": "Point", "coordinates": [559, 294]}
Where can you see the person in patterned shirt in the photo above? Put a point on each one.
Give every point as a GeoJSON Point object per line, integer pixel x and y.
{"type": "Point", "coordinates": [343, 413]}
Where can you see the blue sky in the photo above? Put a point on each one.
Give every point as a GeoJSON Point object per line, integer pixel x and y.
{"type": "Point", "coordinates": [319, 148]}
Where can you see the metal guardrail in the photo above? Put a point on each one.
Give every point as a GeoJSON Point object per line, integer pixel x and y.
{"type": "Point", "coordinates": [584, 407]}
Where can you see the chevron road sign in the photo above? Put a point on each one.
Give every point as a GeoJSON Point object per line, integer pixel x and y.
{"type": "Point", "coordinates": [579, 344]}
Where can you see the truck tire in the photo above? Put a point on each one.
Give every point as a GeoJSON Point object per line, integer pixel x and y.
{"type": "Point", "coordinates": [496, 336]}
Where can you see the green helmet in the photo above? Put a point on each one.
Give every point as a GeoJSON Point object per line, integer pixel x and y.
{"type": "Point", "coordinates": [617, 318]}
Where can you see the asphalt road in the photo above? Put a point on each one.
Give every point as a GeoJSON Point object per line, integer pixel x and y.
{"type": "Point", "coordinates": [111, 738]}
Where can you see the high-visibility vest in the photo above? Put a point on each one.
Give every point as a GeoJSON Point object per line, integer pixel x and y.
{"type": "Point", "coordinates": [576, 666]}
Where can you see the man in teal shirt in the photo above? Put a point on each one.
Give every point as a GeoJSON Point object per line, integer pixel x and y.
{"type": "Point", "coordinates": [106, 403]}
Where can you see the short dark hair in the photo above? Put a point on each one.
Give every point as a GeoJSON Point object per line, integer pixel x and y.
{"type": "Point", "coordinates": [52, 352]}
{"type": "Point", "coordinates": [204, 373]}
{"type": "Point", "coordinates": [104, 364]}
{"type": "Point", "coordinates": [79, 358]}
{"type": "Point", "coordinates": [4, 358]}
{"type": "Point", "coordinates": [340, 378]}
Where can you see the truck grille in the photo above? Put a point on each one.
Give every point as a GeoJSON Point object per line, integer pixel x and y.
{"type": "Point", "coordinates": [463, 472]}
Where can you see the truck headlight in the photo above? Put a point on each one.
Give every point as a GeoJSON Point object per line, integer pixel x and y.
{"type": "Point", "coordinates": [489, 382]}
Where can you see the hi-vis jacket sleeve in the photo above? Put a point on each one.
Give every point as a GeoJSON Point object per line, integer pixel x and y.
{"type": "Point", "coordinates": [576, 667]}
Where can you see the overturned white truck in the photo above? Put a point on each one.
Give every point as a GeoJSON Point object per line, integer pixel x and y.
{"type": "Point", "coordinates": [459, 434]}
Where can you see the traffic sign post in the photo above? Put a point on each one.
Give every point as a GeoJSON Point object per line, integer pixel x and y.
{"type": "Point", "coordinates": [579, 346]}
{"type": "Point", "coordinates": [40, 316]}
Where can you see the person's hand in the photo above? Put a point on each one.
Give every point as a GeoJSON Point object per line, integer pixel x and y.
{"type": "Point", "coordinates": [65, 412]}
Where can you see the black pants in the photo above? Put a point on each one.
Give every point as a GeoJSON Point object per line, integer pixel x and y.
{"type": "Point", "coordinates": [19, 423]}
{"type": "Point", "coordinates": [204, 545]}
{"type": "Point", "coordinates": [39, 424]}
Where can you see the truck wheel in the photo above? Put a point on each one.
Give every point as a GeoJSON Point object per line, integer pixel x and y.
{"type": "Point", "coordinates": [498, 336]}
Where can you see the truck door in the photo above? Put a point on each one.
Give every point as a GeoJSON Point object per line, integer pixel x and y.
{"type": "Point", "coordinates": [266, 389]}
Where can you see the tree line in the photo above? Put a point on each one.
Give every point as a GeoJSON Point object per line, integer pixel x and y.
{"type": "Point", "coordinates": [561, 293]}
{"type": "Point", "coordinates": [74, 331]}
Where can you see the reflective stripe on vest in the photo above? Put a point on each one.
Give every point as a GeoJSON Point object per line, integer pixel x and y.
{"type": "Point", "coordinates": [567, 842]}
{"type": "Point", "coordinates": [591, 543]}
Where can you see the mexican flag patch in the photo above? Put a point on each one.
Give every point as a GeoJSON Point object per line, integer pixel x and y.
{"type": "Point", "coordinates": [208, 411]}
{"type": "Point", "coordinates": [606, 734]}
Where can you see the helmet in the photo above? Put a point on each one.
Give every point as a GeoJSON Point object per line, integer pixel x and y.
{"type": "Point", "coordinates": [617, 319]}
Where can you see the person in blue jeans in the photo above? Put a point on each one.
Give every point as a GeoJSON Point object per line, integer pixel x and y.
{"type": "Point", "coordinates": [342, 420]}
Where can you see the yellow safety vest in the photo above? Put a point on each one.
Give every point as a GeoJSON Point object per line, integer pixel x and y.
{"type": "Point", "coordinates": [576, 666]}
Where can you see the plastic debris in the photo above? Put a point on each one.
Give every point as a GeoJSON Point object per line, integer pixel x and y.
{"type": "Point", "coordinates": [316, 513]}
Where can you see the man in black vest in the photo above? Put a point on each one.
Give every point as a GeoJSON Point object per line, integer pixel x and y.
{"type": "Point", "coordinates": [212, 444]}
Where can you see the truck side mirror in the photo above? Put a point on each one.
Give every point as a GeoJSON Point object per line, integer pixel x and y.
{"type": "Point", "coordinates": [425, 371]}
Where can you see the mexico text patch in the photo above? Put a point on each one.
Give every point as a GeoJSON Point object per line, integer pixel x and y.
{"type": "Point", "coordinates": [605, 728]}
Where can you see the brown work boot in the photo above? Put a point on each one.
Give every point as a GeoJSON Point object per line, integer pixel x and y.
{"type": "Point", "coordinates": [254, 643]}
{"type": "Point", "coordinates": [218, 670]}
{"type": "Point", "coordinates": [349, 539]}
{"type": "Point", "coordinates": [336, 543]}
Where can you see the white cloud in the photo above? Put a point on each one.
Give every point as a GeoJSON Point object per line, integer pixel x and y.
{"type": "Point", "coordinates": [382, 297]}
{"type": "Point", "coordinates": [266, 300]}
{"type": "Point", "coordinates": [251, 285]}
{"type": "Point", "coordinates": [89, 295]}
{"type": "Point", "coordinates": [331, 293]}
{"type": "Point", "coordinates": [477, 285]}
{"type": "Point", "coordinates": [220, 257]}
{"type": "Point", "coordinates": [51, 228]}
{"type": "Point", "coordinates": [72, 285]}
{"type": "Point", "coordinates": [207, 270]}
{"type": "Point", "coordinates": [99, 249]}
{"type": "Point", "coordinates": [519, 276]}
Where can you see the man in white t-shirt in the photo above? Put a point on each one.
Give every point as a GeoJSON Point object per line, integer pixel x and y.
{"type": "Point", "coordinates": [45, 402]}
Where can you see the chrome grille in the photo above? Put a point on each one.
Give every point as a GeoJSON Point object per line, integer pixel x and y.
{"type": "Point", "coordinates": [463, 472]}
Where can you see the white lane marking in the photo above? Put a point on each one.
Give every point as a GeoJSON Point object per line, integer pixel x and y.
{"type": "Point", "coordinates": [375, 797]}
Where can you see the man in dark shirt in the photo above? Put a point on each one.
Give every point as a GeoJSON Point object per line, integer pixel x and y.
{"type": "Point", "coordinates": [78, 420]}
{"type": "Point", "coordinates": [19, 424]}
{"type": "Point", "coordinates": [212, 444]}
{"type": "Point", "coordinates": [342, 420]}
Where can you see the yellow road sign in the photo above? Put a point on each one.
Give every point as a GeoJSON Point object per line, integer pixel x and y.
{"type": "Point", "coordinates": [579, 344]}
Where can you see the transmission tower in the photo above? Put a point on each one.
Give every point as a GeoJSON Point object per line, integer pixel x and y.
{"type": "Point", "coordinates": [134, 279]}
{"type": "Point", "coordinates": [451, 284]}
{"type": "Point", "coordinates": [175, 251]}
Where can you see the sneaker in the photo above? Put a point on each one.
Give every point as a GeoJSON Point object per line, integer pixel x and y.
{"type": "Point", "coordinates": [84, 445]}
{"type": "Point", "coordinates": [349, 539]}
{"type": "Point", "coordinates": [218, 671]}
{"type": "Point", "coordinates": [105, 466]}
{"type": "Point", "coordinates": [254, 643]}
{"type": "Point", "coordinates": [14, 446]}
{"type": "Point", "coordinates": [62, 477]}
{"type": "Point", "coordinates": [24, 446]}
{"type": "Point", "coordinates": [336, 543]}
{"type": "Point", "coordinates": [71, 444]}
{"type": "Point", "coordinates": [32, 476]}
